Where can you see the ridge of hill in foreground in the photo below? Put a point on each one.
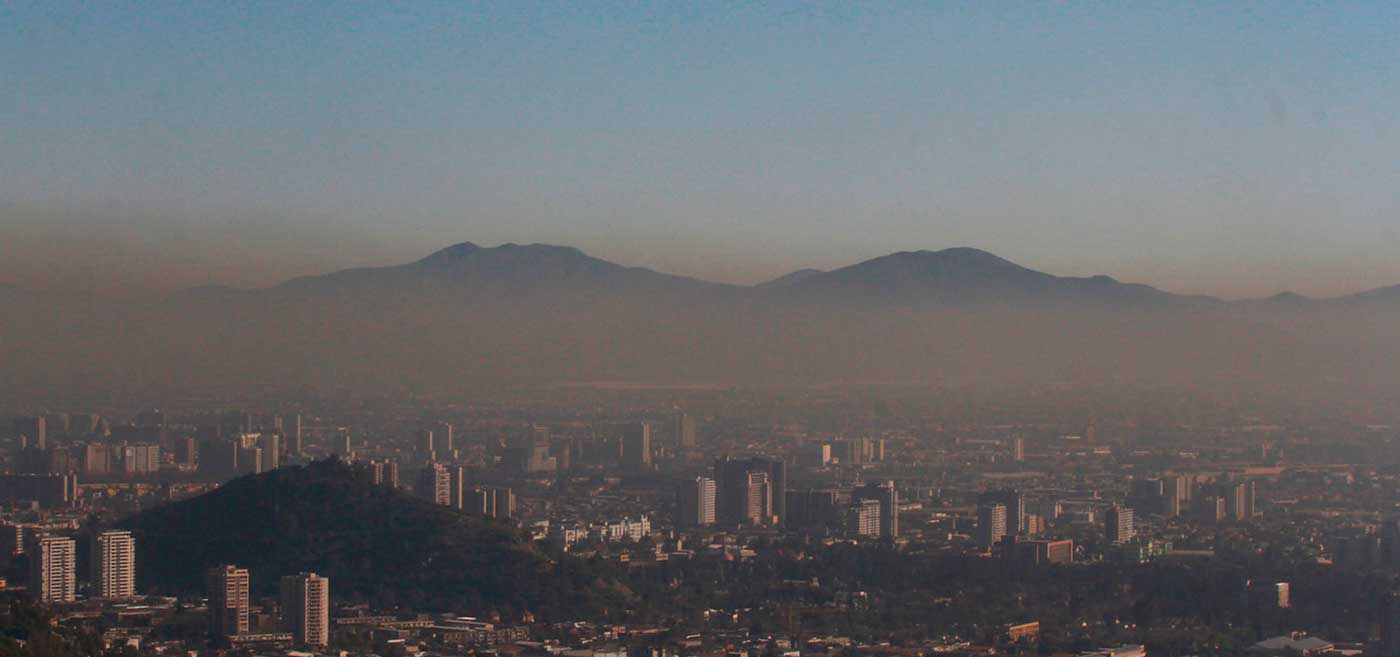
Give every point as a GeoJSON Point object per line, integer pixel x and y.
{"type": "Point", "coordinates": [375, 543]}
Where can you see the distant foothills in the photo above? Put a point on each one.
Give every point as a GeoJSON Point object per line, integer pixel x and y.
{"type": "Point", "coordinates": [469, 316]}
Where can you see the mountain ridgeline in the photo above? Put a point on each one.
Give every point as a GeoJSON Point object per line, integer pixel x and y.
{"type": "Point", "coordinates": [470, 317]}
{"type": "Point", "coordinates": [375, 543]}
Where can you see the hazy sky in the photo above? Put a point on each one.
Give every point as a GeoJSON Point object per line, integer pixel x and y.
{"type": "Point", "coordinates": [1233, 149]}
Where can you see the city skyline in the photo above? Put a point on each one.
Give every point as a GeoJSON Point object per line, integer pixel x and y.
{"type": "Point", "coordinates": [614, 329]}
{"type": "Point", "coordinates": [907, 496]}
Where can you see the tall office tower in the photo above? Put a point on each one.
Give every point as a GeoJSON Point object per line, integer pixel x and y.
{"type": "Point", "coordinates": [457, 487]}
{"type": "Point", "coordinates": [865, 517]}
{"type": "Point", "coordinates": [1251, 492]}
{"type": "Point", "coordinates": [758, 499]}
{"type": "Point", "coordinates": [291, 427]}
{"type": "Point", "coordinates": [249, 460]}
{"type": "Point", "coordinates": [384, 473]}
{"type": "Point", "coordinates": [54, 460]}
{"type": "Point", "coordinates": [32, 432]}
{"type": "Point", "coordinates": [218, 458]}
{"type": "Point", "coordinates": [847, 451]}
{"type": "Point", "coordinates": [241, 421]}
{"type": "Point", "coordinates": [1390, 625]}
{"type": "Point", "coordinates": [1185, 483]}
{"type": "Point", "coordinates": [685, 430]}
{"type": "Point", "coordinates": [306, 604]}
{"type": "Point", "coordinates": [538, 459]}
{"type": "Point", "coordinates": [1018, 450]}
{"type": "Point", "coordinates": [1389, 533]}
{"type": "Point", "coordinates": [57, 424]}
{"type": "Point", "coordinates": [563, 453]}
{"type": "Point", "coordinates": [776, 469]}
{"type": "Point", "coordinates": [1045, 552]}
{"type": "Point", "coordinates": [270, 444]}
{"type": "Point", "coordinates": [812, 508]}
{"type": "Point", "coordinates": [140, 459]}
{"type": "Point", "coordinates": [11, 540]}
{"type": "Point", "coordinates": [114, 565]}
{"type": "Point", "coordinates": [476, 500]}
{"type": "Point", "coordinates": [636, 446]}
{"type": "Point", "coordinates": [1211, 509]}
{"type": "Point", "coordinates": [503, 502]}
{"type": "Point", "coordinates": [732, 488]}
{"type": "Point", "coordinates": [426, 451]}
{"type": "Point", "coordinates": [731, 491]}
{"type": "Point", "coordinates": [82, 424]}
{"type": "Point", "coordinates": [1015, 507]}
{"type": "Point", "coordinates": [1118, 525]}
{"type": "Point", "coordinates": [494, 501]}
{"type": "Point", "coordinates": [1267, 594]}
{"type": "Point", "coordinates": [1049, 508]}
{"type": "Point", "coordinates": [52, 568]}
{"type": "Point", "coordinates": [858, 451]}
{"type": "Point", "coordinates": [228, 601]}
{"type": "Point", "coordinates": [49, 490]}
{"type": "Point", "coordinates": [500, 502]}
{"type": "Point", "coordinates": [435, 484]}
{"type": "Point", "coordinates": [863, 449]}
{"type": "Point", "coordinates": [888, 497]}
{"type": "Point", "coordinates": [1171, 505]}
{"type": "Point", "coordinates": [1239, 501]}
{"type": "Point", "coordinates": [697, 502]}
{"type": "Point", "coordinates": [443, 439]}
{"type": "Point", "coordinates": [1148, 495]}
{"type": "Point", "coordinates": [186, 451]}
{"type": "Point", "coordinates": [991, 523]}
{"type": "Point", "coordinates": [814, 455]}
{"type": "Point", "coordinates": [731, 481]}
{"type": "Point", "coordinates": [1235, 502]}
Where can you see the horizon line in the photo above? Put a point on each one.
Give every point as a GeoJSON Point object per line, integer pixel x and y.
{"type": "Point", "coordinates": [160, 297]}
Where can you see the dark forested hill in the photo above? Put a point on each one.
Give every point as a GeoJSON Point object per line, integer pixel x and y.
{"type": "Point", "coordinates": [374, 543]}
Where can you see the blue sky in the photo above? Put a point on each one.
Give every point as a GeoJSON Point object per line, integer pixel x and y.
{"type": "Point", "coordinates": [1235, 149]}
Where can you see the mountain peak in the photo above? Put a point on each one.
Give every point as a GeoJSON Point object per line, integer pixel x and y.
{"type": "Point", "coordinates": [965, 252]}
{"type": "Point", "coordinates": [791, 278]}
{"type": "Point", "coordinates": [451, 254]}
{"type": "Point", "coordinates": [535, 262]}
{"type": "Point", "coordinates": [1381, 294]}
{"type": "Point", "coordinates": [963, 275]}
{"type": "Point", "coordinates": [508, 252]}
{"type": "Point", "coordinates": [955, 262]}
{"type": "Point", "coordinates": [960, 257]}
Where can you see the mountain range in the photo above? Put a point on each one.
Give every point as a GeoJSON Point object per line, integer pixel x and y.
{"type": "Point", "coordinates": [470, 316]}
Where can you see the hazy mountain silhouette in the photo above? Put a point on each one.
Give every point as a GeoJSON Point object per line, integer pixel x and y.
{"type": "Point", "coordinates": [1387, 297]}
{"type": "Point", "coordinates": [791, 278]}
{"type": "Point", "coordinates": [959, 276]}
{"type": "Point", "coordinates": [509, 269]}
{"type": "Point", "coordinates": [470, 316]}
